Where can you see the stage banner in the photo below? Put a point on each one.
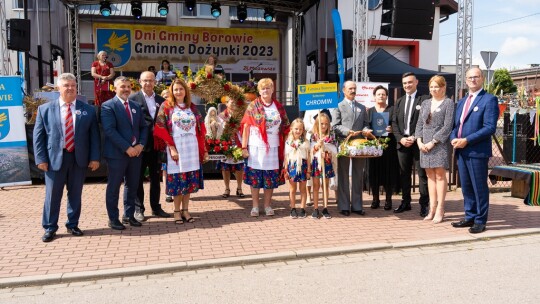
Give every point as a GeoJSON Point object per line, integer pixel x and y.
{"type": "Point", "coordinates": [338, 32]}
{"type": "Point", "coordinates": [134, 47]}
{"type": "Point", "coordinates": [14, 165]}
{"type": "Point", "coordinates": [364, 92]}
{"type": "Point", "coordinates": [318, 96]}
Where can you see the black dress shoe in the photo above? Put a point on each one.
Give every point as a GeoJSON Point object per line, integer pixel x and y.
{"type": "Point", "coordinates": [345, 212]}
{"type": "Point", "coordinates": [134, 223]}
{"type": "Point", "coordinates": [116, 225]}
{"type": "Point", "coordinates": [477, 228]}
{"type": "Point", "coordinates": [375, 204]}
{"type": "Point", "coordinates": [463, 224]}
{"type": "Point", "coordinates": [48, 236]}
{"type": "Point", "coordinates": [75, 231]}
{"type": "Point", "coordinates": [359, 212]}
{"type": "Point", "coordinates": [161, 213]}
{"type": "Point", "coordinates": [424, 210]}
{"type": "Point", "coordinates": [388, 205]}
{"type": "Point", "coordinates": [403, 207]}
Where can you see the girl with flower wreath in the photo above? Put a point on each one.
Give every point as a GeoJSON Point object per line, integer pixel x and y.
{"type": "Point", "coordinates": [324, 147]}
{"type": "Point", "coordinates": [264, 128]}
{"type": "Point", "coordinates": [179, 127]}
{"type": "Point", "coordinates": [298, 168]}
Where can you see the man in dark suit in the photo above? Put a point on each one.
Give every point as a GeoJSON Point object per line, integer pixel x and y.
{"type": "Point", "coordinates": [474, 124]}
{"type": "Point", "coordinates": [125, 137]}
{"type": "Point", "coordinates": [406, 114]}
{"type": "Point", "coordinates": [149, 103]}
{"type": "Point", "coordinates": [66, 142]}
{"type": "Point", "coordinates": [350, 118]}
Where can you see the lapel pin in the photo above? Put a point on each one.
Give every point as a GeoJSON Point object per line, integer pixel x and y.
{"type": "Point", "coordinates": [133, 111]}
{"type": "Point", "coordinates": [475, 108]}
{"type": "Point", "coordinates": [78, 112]}
{"type": "Point", "coordinates": [438, 110]}
{"type": "Point", "coordinates": [418, 107]}
{"type": "Point", "coordinates": [84, 113]}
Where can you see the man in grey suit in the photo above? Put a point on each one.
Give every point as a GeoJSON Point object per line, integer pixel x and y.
{"type": "Point", "coordinates": [66, 142]}
{"type": "Point", "coordinates": [149, 103]}
{"type": "Point", "coordinates": [350, 118]}
{"type": "Point", "coordinates": [125, 137]}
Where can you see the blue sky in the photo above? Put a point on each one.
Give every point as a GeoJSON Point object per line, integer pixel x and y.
{"type": "Point", "coordinates": [511, 28]}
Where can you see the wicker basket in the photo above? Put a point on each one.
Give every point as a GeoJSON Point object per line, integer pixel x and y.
{"type": "Point", "coordinates": [354, 142]}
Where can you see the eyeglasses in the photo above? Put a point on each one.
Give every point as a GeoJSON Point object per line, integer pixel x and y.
{"type": "Point", "coordinates": [473, 78]}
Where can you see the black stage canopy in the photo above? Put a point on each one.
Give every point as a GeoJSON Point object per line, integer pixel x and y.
{"type": "Point", "coordinates": [384, 67]}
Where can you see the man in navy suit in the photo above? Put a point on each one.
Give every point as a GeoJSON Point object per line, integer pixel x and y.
{"type": "Point", "coordinates": [149, 103]}
{"type": "Point", "coordinates": [475, 122]}
{"type": "Point", "coordinates": [66, 142]}
{"type": "Point", "coordinates": [125, 137]}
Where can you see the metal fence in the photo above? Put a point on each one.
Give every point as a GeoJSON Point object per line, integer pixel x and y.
{"type": "Point", "coordinates": [513, 142]}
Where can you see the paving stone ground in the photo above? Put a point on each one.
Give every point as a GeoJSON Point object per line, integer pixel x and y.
{"type": "Point", "coordinates": [223, 229]}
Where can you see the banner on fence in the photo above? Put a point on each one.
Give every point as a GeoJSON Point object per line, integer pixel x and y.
{"type": "Point", "coordinates": [14, 166]}
{"type": "Point", "coordinates": [364, 92]}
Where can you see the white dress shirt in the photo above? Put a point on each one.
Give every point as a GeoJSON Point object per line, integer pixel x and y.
{"type": "Point", "coordinates": [151, 103]}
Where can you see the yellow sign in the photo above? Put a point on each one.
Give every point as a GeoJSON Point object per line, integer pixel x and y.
{"type": "Point", "coordinates": [134, 47]}
{"type": "Point", "coordinates": [317, 88]}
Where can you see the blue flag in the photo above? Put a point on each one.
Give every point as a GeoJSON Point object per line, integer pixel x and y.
{"type": "Point", "coordinates": [338, 33]}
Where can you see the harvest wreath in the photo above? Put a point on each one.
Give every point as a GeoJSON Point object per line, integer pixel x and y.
{"type": "Point", "coordinates": [209, 86]}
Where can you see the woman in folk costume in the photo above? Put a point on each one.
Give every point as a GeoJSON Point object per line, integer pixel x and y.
{"type": "Point", "coordinates": [230, 165]}
{"type": "Point", "coordinates": [179, 128]}
{"type": "Point", "coordinates": [264, 128]}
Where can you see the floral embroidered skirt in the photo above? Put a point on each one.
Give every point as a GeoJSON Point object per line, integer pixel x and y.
{"type": "Point", "coordinates": [328, 169]}
{"type": "Point", "coordinates": [294, 175]}
{"type": "Point", "coordinates": [266, 179]}
{"type": "Point", "coordinates": [222, 166]}
{"type": "Point", "coordinates": [184, 183]}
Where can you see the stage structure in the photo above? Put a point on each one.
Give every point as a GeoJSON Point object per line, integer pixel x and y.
{"type": "Point", "coordinates": [5, 68]}
{"type": "Point", "coordinates": [464, 43]}
{"type": "Point", "coordinates": [292, 7]}
{"type": "Point", "coordinates": [360, 41]}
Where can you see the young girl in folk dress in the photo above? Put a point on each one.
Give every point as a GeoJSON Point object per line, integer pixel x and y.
{"type": "Point", "coordinates": [324, 146]}
{"type": "Point", "coordinates": [298, 168]}
{"type": "Point", "coordinates": [212, 124]}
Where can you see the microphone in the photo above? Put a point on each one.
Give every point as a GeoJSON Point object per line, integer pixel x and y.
{"type": "Point", "coordinates": [253, 69]}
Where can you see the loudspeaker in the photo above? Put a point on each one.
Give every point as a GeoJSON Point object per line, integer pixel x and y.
{"type": "Point", "coordinates": [18, 34]}
{"type": "Point", "coordinates": [408, 19]}
{"type": "Point", "coordinates": [347, 43]}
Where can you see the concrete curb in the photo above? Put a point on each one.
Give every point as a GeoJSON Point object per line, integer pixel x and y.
{"type": "Point", "coordinates": [249, 259]}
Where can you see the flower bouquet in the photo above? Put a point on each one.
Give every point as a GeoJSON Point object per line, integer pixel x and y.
{"type": "Point", "coordinates": [160, 87]}
{"type": "Point", "coordinates": [221, 149]}
{"type": "Point", "coordinates": [250, 89]}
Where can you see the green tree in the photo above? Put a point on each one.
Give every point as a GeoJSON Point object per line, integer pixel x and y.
{"type": "Point", "coordinates": [501, 81]}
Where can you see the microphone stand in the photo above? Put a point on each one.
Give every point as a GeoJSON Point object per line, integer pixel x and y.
{"type": "Point", "coordinates": [251, 71]}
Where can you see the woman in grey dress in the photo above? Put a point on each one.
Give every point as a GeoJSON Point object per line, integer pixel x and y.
{"type": "Point", "coordinates": [432, 133]}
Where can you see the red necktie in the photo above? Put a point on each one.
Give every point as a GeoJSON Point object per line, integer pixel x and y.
{"type": "Point", "coordinates": [126, 104]}
{"type": "Point", "coordinates": [133, 140]}
{"type": "Point", "coordinates": [465, 111]}
{"type": "Point", "coordinates": [69, 138]}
